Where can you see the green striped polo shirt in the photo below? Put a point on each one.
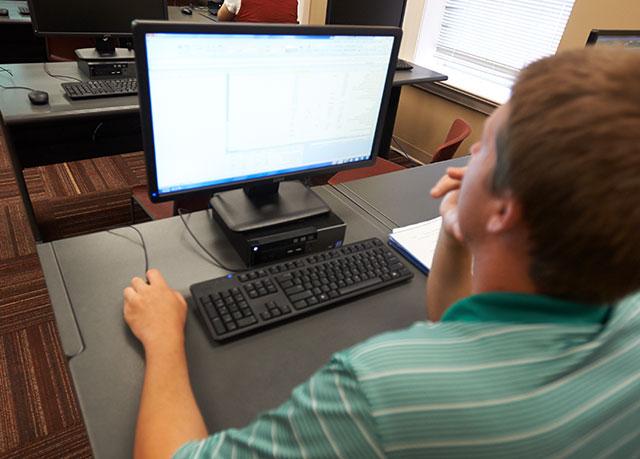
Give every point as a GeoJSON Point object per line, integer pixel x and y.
{"type": "Point", "coordinates": [501, 375]}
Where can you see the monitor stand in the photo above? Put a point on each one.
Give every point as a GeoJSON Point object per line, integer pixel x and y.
{"type": "Point", "coordinates": [264, 205]}
{"type": "Point", "coordinates": [106, 61]}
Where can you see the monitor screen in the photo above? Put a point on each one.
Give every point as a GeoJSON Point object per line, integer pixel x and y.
{"type": "Point", "coordinates": [88, 17]}
{"type": "Point", "coordinates": [366, 12]}
{"type": "Point", "coordinates": [225, 109]}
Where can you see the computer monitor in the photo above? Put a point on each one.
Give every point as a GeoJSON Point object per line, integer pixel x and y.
{"type": "Point", "coordinates": [618, 38]}
{"type": "Point", "coordinates": [245, 106]}
{"type": "Point", "coordinates": [366, 12]}
{"type": "Point", "coordinates": [95, 18]}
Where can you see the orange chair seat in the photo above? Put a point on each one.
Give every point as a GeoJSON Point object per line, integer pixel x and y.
{"type": "Point", "coordinates": [381, 166]}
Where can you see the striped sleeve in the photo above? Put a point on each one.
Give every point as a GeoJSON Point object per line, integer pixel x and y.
{"type": "Point", "coordinates": [328, 416]}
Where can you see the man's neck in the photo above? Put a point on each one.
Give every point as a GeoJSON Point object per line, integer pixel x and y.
{"type": "Point", "coordinates": [501, 268]}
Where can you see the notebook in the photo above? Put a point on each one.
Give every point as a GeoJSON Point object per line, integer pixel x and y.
{"type": "Point", "coordinates": [417, 243]}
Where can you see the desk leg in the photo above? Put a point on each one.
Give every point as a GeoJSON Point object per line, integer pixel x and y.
{"type": "Point", "coordinates": [22, 185]}
{"type": "Point", "coordinates": [389, 122]}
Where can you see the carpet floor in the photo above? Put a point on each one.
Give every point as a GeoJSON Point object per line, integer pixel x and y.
{"type": "Point", "coordinates": [39, 413]}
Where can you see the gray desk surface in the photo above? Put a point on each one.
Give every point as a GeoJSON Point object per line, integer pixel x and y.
{"type": "Point", "coordinates": [16, 108]}
{"type": "Point", "coordinates": [14, 15]}
{"type": "Point", "coordinates": [399, 198]}
{"type": "Point", "coordinates": [232, 382]}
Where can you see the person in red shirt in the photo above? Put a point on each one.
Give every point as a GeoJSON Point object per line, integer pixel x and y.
{"type": "Point", "coordinates": [278, 11]}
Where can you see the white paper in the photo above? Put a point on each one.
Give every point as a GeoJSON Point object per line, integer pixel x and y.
{"type": "Point", "coordinates": [419, 239]}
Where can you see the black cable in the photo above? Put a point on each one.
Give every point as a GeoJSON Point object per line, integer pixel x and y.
{"type": "Point", "coordinates": [95, 131]}
{"type": "Point", "coordinates": [17, 87]}
{"type": "Point", "coordinates": [46, 70]}
{"type": "Point", "coordinates": [399, 147]}
{"type": "Point", "coordinates": [215, 261]}
{"type": "Point", "coordinates": [144, 247]}
{"type": "Point", "coordinates": [403, 153]}
{"type": "Point", "coordinates": [2, 69]}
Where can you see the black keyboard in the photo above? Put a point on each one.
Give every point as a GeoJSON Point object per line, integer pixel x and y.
{"type": "Point", "coordinates": [24, 10]}
{"type": "Point", "coordinates": [403, 65]}
{"type": "Point", "coordinates": [101, 88]}
{"type": "Point", "coordinates": [249, 301]}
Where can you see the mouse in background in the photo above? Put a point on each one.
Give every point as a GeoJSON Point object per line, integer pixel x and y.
{"type": "Point", "coordinates": [4, 12]}
{"type": "Point", "coordinates": [187, 10]}
{"type": "Point", "coordinates": [39, 97]}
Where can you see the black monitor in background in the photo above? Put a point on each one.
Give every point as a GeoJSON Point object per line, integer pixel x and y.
{"type": "Point", "coordinates": [101, 19]}
{"type": "Point", "coordinates": [629, 39]}
{"type": "Point", "coordinates": [290, 102]}
{"type": "Point", "coordinates": [366, 12]}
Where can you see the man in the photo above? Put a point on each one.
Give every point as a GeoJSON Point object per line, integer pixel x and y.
{"type": "Point", "coordinates": [528, 357]}
{"type": "Point", "coordinates": [278, 11]}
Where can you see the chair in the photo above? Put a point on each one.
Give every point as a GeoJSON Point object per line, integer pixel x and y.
{"type": "Point", "coordinates": [458, 132]}
{"type": "Point", "coordinates": [381, 166]}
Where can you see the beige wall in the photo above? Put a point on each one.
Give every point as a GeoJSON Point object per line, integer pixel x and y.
{"type": "Point", "coordinates": [599, 14]}
{"type": "Point", "coordinates": [423, 119]}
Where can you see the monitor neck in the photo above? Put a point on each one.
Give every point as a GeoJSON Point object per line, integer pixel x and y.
{"type": "Point", "coordinates": [266, 204]}
{"type": "Point", "coordinates": [106, 45]}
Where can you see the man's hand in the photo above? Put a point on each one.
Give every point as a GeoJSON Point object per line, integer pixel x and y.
{"type": "Point", "coordinates": [450, 276]}
{"type": "Point", "coordinates": [449, 187]}
{"type": "Point", "coordinates": [155, 312]}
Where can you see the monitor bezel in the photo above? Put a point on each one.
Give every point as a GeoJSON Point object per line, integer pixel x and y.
{"type": "Point", "coordinates": [142, 28]}
{"type": "Point", "coordinates": [44, 33]}
{"type": "Point", "coordinates": [330, 13]}
{"type": "Point", "coordinates": [592, 39]}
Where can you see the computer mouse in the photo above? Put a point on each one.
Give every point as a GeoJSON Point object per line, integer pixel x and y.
{"type": "Point", "coordinates": [4, 12]}
{"type": "Point", "coordinates": [187, 11]}
{"type": "Point", "coordinates": [39, 97]}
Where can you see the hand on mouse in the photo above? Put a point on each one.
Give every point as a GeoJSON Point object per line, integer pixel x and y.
{"type": "Point", "coordinates": [155, 312]}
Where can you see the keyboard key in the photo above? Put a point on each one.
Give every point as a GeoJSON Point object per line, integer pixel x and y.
{"type": "Point", "coordinates": [355, 287]}
{"type": "Point", "coordinates": [295, 289]}
{"type": "Point", "coordinates": [246, 321]}
{"type": "Point", "coordinates": [300, 296]}
{"type": "Point", "coordinates": [218, 326]}
{"type": "Point", "coordinates": [300, 304]}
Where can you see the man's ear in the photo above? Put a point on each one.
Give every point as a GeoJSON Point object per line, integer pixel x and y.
{"type": "Point", "coordinates": [507, 213]}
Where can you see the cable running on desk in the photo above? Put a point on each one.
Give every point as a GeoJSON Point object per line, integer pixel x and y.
{"type": "Point", "coordinates": [144, 247]}
{"type": "Point", "coordinates": [57, 77]}
{"type": "Point", "coordinates": [215, 260]}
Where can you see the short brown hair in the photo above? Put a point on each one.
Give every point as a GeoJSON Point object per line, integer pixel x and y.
{"type": "Point", "coordinates": [570, 153]}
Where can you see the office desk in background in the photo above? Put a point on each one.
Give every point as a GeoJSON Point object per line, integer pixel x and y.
{"type": "Point", "coordinates": [17, 42]}
{"type": "Point", "coordinates": [232, 382]}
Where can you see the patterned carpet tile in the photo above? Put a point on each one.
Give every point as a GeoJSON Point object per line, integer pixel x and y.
{"type": "Point", "coordinates": [37, 395]}
{"type": "Point", "coordinates": [16, 238]}
{"type": "Point", "coordinates": [86, 176]}
{"type": "Point", "coordinates": [70, 443]}
{"type": "Point", "coordinates": [24, 300]}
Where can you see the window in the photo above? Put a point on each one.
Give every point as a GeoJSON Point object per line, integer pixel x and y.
{"type": "Point", "coordinates": [482, 44]}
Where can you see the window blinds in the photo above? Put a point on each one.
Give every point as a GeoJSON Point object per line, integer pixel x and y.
{"type": "Point", "coordinates": [493, 39]}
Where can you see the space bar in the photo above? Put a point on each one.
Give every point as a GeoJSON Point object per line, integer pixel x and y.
{"type": "Point", "coordinates": [360, 285]}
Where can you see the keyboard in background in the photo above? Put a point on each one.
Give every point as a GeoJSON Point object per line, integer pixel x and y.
{"type": "Point", "coordinates": [247, 302]}
{"type": "Point", "coordinates": [101, 88]}
{"type": "Point", "coordinates": [24, 10]}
